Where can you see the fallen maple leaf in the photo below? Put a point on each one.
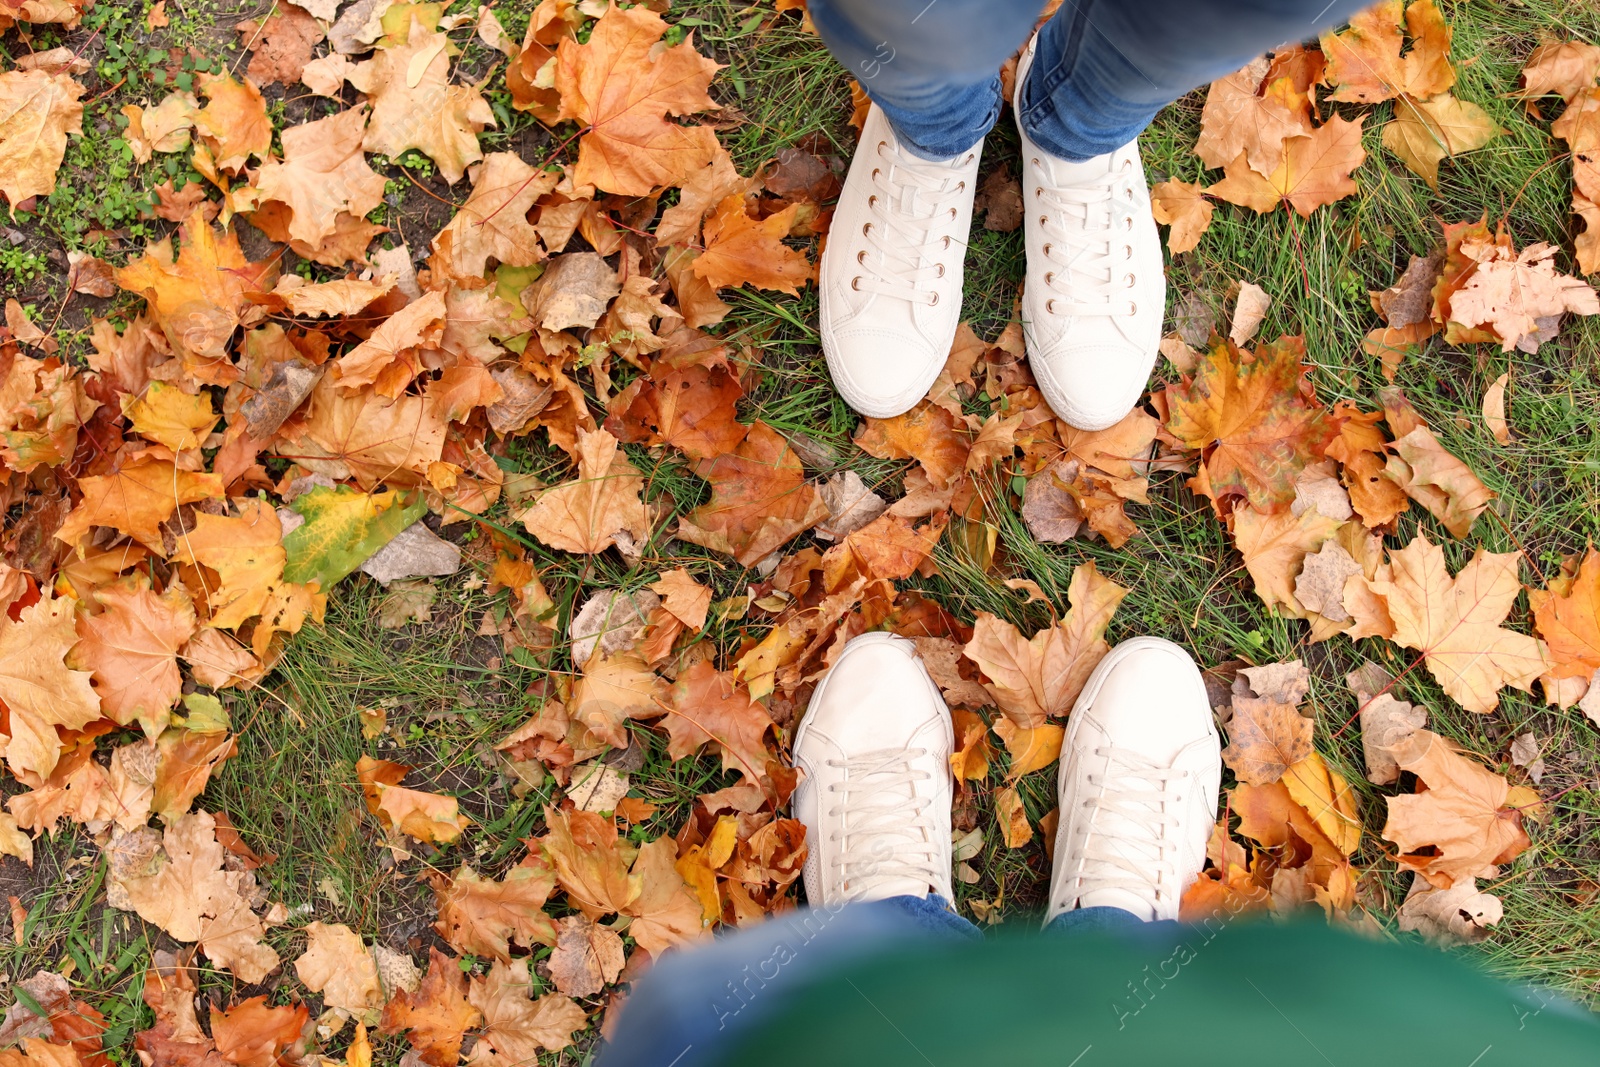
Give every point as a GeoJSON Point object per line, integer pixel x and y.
{"type": "Point", "coordinates": [431, 818]}
{"type": "Point", "coordinates": [517, 1028]}
{"type": "Point", "coordinates": [1424, 132]}
{"type": "Point", "coordinates": [1034, 679]}
{"type": "Point", "coordinates": [742, 251]}
{"type": "Point", "coordinates": [1314, 171]}
{"type": "Point", "coordinates": [759, 498]}
{"type": "Point", "coordinates": [435, 1018]}
{"type": "Point", "coordinates": [1184, 207]}
{"type": "Point", "coordinates": [323, 172]}
{"type": "Point", "coordinates": [281, 45]}
{"type": "Point", "coordinates": [132, 648]}
{"type": "Point", "coordinates": [39, 689]}
{"type": "Point", "coordinates": [178, 883]}
{"type": "Point", "coordinates": [1455, 622]}
{"type": "Point", "coordinates": [251, 1032]}
{"type": "Point", "coordinates": [1364, 63]}
{"type": "Point", "coordinates": [928, 433]}
{"type": "Point", "coordinates": [37, 111]}
{"type": "Point", "coordinates": [590, 862]}
{"type": "Point", "coordinates": [1267, 733]}
{"type": "Point", "coordinates": [1254, 417]}
{"type": "Point", "coordinates": [1564, 68]}
{"type": "Point", "coordinates": [1461, 824]}
{"type": "Point", "coordinates": [1566, 614]}
{"type": "Point", "coordinates": [623, 86]}
{"type": "Point", "coordinates": [693, 410]}
{"type": "Point", "coordinates": [708, 705]}
{"type": "Point", "coordinates": [338, 964]}
{"type": "Point", "coordinates": [234, 124]}
{"type": "Point", "coordinates": [1510, 292]}
{"type": "Point", "coordinates": [1274, 546]}
{"type": "Point", "coordinates": [614, 689]}
{"type": "Point", "coordinates": [587, 957]}
{"type": "Point", "coordinates": [589, 514]}
{"type": "Point", "coordinates": [480, 917]}
{"type": "Point", "coordinates": [666, 911]}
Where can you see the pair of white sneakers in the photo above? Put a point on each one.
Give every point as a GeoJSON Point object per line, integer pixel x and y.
{"type": "Point", "coordinates": [1139, 775]}
{"type": "Point", "coordinates": [891, 281]}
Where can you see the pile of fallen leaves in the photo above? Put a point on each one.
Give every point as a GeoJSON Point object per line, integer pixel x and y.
{"type": "Point", "coordinates": [151, 560]}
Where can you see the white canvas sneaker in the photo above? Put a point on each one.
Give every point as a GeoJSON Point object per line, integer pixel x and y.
{"type": "Point", "coordinates": [892, 270]}
{"type": "Point", "coordinates": [1096, 291]}
{"type": "Point", "coordinates": [874, 749]}
{"type": "Point", "coordinates": [1140, 768]}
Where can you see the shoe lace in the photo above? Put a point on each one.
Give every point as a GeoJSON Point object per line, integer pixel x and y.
{"type": "Point", "coordinates": [1089, 243]}
{"type": "Point", "coordinates": [913, 197]}
{"type": "Point", "coordinates": [1129, 846]}
{"type": "Point", "coordinates": [886, 828]}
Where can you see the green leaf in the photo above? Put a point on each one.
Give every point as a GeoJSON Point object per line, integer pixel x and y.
{"type": "Point", "coordinates": [343, 528]}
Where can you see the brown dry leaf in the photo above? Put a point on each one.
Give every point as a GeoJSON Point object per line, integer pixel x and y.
{"type": "Point", "coordinates": [1327, 798]}
{"type": "Point", "coordinates": [759, 499]}
{"type": "Point", "coordinates": [517, 1028]}
{"type": "Point", "coordinates": [1565, 68]}
{"type": "Point", "coordinates": [252, 1034]}
{"type": "Point", "coordinates": [590, 862]}
{"type": "Point", "coordinates": [1461, 914]}
{"type": "Point", "coordinates": [1184, 207]}
{"type": "Point", "coordinates": [1320, 586]}
{"type": "Point", "coordinates": [1437, 480]}
{"type": "Point", "coordinates": [1256, 421]}
{"type": "Point", "coordinates": [415, 104]}
{"type": "Point", "coordinates": [743, 251]}
{"type": "Point", "coordinates": [479, 917]}
{"type": "Point", "coordinates": [1566, 614]}
{"type": "Point", "coordinates": [431, 818]}
{"type": "Point", "coordinates": [1511, 292]}
{"type": "Point", "coordinates": [686, 599]}
{"type": "Point", "coordinates": [1267, 734]}
{"type": "Point", "coordinates": [493, 223]}
{"type": "Point", "coordinates": [1460, 824]}
{"type": "Point", "coordinates": [234, 123]}
{"type": "Point", "coordinates": [1314, 171]}
{"type": "Point", "coordinates": [338, 964]}
{"type": "Point", "coordinates": [1425, 132]}
{"type": "Point", "coordinates": [1012, 817]}
{"type": "Point", "coordinates": [39, 689]}
{"type": "Point", "coordinates": [708, 705]}
{"type": "Point", "coordinates": [187, 760]}
{"type": "Point", "coordinates": [281, 45]}
{"type": "Point", "coordinates": [613, 689]}
{"type": "Point", "coordinates": [589, 514]}
{"type": "Point", "coordinates": [37, 111]}
{"type": "Point", "coordinates": [1364, 63]}
{"type": "Point", "coordinates": [666, 912]}
{"type": "Point", "coordinates": [587, 957]}
{"type": "Point", "coordinates": [693, 410]}
{"type": "Point", "coordinates": [969, 761]}
{"type": "Point", "coordinates": [1274, 547]}
{"type": "Point", "coordinates": [1249, 309]}
{"type": "Point", "coordinates": [435, 1018]}
{"type": "Point", "coordinates": [1033, 679]}
{"type": "Point", "coordinates": [323, 173]}
{"type": "Point", "coordinates": [928, 433]}
{"type": "Point", "coordinates": [624, 87]}
{"type": "Point", "coordinates": [179, 884]}
{"type": "Point", "coordinates": [1494, 409]}
{"type": "Point", "coordinates": [1237, 119]}
{"type": "Point", "coordinates": [1455, 622]}
{"type": "Point", "coordinates": [132, 648]}
{"type": "Point", "coordinates": [393, 356]}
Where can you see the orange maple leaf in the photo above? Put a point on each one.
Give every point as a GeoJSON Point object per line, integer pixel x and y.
{"type": "Point", "coordinates": [759, 498]}
{"type": "Point", "coordinates": [1566, 614]}
{"type": "Point", "coordinates": [708, 705]}
{"type": "Point", "coordinates": [1314, 170]}
{"type": "Point", "coordinates": [436, 1018]}
{"type": "Point", "coordinates": [132, 648]}
{"type": "Point", "coordinates": [623, 88]}
{"type": "Point", "coordinates": [743, 251]}
{"type": "Point", "coordinates": [1254, 418]}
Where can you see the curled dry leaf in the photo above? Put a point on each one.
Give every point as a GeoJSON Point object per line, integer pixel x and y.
{"type": "Point", "coordinates": [1184, 207]}
{"type": "Point", "coordinates": [1494, 409]}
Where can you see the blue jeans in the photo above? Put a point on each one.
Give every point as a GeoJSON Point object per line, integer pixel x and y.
{"type": "Point", "coordinates": [698, 998]}
{"type": "Point", "coordinates": [1102, 71]}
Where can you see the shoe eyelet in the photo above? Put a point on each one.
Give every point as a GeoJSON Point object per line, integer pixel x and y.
{"type": "Point", "coordinates": [1127, 164]}
{"type": "Point", "coordinates": [1131, 281]}
{"type": "Point", "coordinates": [954, 213]}
{"type": "Point", "coordinates": [1034, 161]}
{"type": "Point", "coordinates": [855, 283]}
{"type": "Point", "coordinates": [947, 241]}
{"type": "Point", "coordinates": [875, 172]}
{"type": "Point", "coordinates": [1127, 222]}
{"type": "Point", "coordinates": [1127, 251]}
{"type": "Point", "coordinates": [861, 257]}
{"type": "Point", "coordinates": [933, 300]}
{"type": "Point", "coordinates": [941, 271]}
{"type": "Point", "coordinates": [1050, 306]}
{"type": "Point", "coordinates": [1047, 248]}
{"type": "Point", "coordinates": [872, 201]}
{"type": "Point", "coordinates": [1043, 219]}
{"type": "Point", "coordinates": [882, 145]}
{"type": "Point", "coordinates": [866, 229]}
{"type": "Point", "coordinates": [1050, 277]}
{"type": "Point", "coordinates": [1038, 190]}
{"type": "Point", "coordinates": [1127, 192]}
{"type": "Point", "coordinates": [1133, 309]}
{"type": "Point", "coordinates": [961, 186]}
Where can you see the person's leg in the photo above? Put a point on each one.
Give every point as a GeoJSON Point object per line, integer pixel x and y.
{"type": "Point", "coordinates": [695, 1002]}
{"type": "Point", "coordinates": [891, 276]}
{"type": "Point", "coordinates": [1105, 67]}
{"type": "Point", "coordinates": [1141, 766]}
{"type": "Point", "coordinates": [931, 65]}
{"type": "Point", "coordinates": [1095, 76]}
{"type": "Point", "coordinates": [874, 754]}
